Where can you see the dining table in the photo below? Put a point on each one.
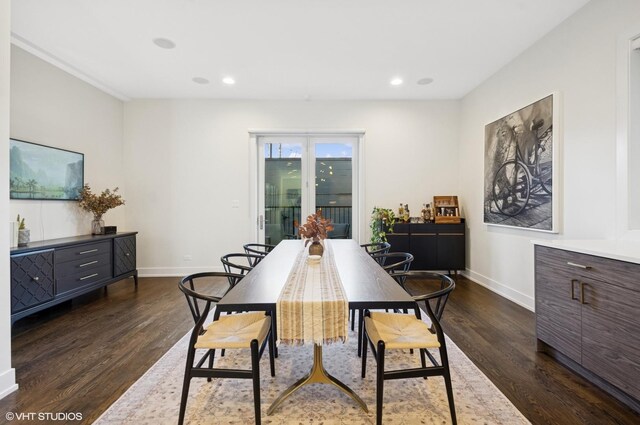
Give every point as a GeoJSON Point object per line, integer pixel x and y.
{"type": "Point", "coordinates": [362, 283]}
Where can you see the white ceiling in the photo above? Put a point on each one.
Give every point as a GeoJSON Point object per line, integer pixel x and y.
{"type": "Point", "coordinates": [285, 49]}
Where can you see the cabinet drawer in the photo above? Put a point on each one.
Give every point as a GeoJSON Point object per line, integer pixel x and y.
{"type": "Point", "coordinates": [82, 251]}
{"type": "Point", "coordinates": [83, 278]}
{"type": "Point", "coordinates": [82, 265]}
{"type": "Point", "coordinates": [615, 272]}
{"type": "Point", "coordinates": [451, 228]}
{"type": "Point", "coordinates": [32, 280]}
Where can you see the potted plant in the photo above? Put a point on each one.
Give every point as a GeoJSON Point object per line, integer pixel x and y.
{"type": "Point", "coordinates": [24, 234]}
{"type": "Point", "coordinates": [315, 230]}
{"type": "Point", "coordinates": [98, 205]}
{"type": "Point", "coordinates": [382, 221]}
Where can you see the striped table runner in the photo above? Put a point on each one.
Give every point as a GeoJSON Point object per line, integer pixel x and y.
{"type": "Point", "coordinates": [312, 307]}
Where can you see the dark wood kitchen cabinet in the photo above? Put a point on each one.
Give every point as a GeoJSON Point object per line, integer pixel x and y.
{"type": "Point", "coordinates": [587, 317]}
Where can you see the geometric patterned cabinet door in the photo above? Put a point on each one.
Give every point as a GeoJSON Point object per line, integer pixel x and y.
{"type": "Point", "coordinates": [31, 279]}
{"type": "Point", "coordinates": [124, 255]}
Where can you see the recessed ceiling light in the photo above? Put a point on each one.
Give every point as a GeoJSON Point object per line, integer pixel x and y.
{"type": "Point", "coordinates": [425, 81]}
{"type": "Point", "coordinates": [396, 81]}
{"type": "Point", "coordinates": [228, 81]}
{"type": "Point", "coordinates": [164, 43]}
{"type": "Point", "coordinates": [200, 80]}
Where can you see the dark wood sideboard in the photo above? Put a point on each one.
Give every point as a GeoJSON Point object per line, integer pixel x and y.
{"type": "Point", "coordinates": [46, 273]}
{"type": "Point", "coordinates": [433, 246]}
{"type": "Point", "coordinates": [588, 318]}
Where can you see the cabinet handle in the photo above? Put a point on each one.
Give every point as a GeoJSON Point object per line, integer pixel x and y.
{"type": "Point", "coordinates": [451, 234]}
{"type": "Point", "coordinates": [36, 278]}
{"type": "Point", "coordinates": [573, 296]}
{"type": "Point", "coordinates": [90, 276]}
{"type": "Point", "coordinates": [88, 264]}
{"type": "Point", "coordinates": [423, 234]}
{"type": "Point", "coordinates": [86, 252]}
{"type": "Point", "coordinates": [127, 254]}
{"type": "Point", "coordinates": [399, 234]}
{"type": "Point", "coordinates": [569, 263]}
{"type": "Point", "coordinates": [582, 285]}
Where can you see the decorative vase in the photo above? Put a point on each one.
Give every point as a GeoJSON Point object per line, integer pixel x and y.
{"type": "Point", "coordinates": [97, 225]}
{"type": "Point", "coordinates": [316, 248]}
{"type": "Point", "coordinates": [24, 236]}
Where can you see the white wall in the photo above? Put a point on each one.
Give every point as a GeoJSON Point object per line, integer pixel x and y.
{"type": "Point", "coordinates": [578, 60]}
{"type": "Point", "coordinates": [7, 374]}
{"type": "Point", "coordinates": [186, 160]}
{"type": "Point", "coordinates": [51, 107]}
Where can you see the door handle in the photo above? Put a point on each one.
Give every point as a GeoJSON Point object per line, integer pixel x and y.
{"type": "Point", "coordinates": [573, 296]}
{"type": "Point", "coordinates": [582, 285]}
{"type": "Point", "coordinates": [582, 266]}
{"type": "Point", "coordinates": [261, 221]}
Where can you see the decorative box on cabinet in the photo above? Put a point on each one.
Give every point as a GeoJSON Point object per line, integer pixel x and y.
{"type": "Point", "coordinates": [587, 317]}
{"type": "Point", "coordinates": [433, 246]}
{"type": "Point", "coordinates": [46, 273]}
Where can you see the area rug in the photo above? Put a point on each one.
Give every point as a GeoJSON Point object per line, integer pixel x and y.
{"type": "Point", "coordinates": [155, 397]}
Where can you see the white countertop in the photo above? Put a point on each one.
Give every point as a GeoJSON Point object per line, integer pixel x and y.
{"type": "Point", "coordinates": [616, 249]}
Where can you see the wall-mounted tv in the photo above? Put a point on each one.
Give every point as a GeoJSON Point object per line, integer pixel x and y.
{"type": "Point", "coordinates": [44, 173]}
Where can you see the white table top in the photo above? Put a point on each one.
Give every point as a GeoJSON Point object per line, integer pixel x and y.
{"type": "Point", "coordinates": [622, 250]}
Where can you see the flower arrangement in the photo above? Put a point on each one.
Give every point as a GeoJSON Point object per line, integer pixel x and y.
{"type": "Point", "coordinates": [382, 219]}
{"type": "Point", "coordinates": [99, 204]}
{"type": "Point", "coordinates": [315, 228]}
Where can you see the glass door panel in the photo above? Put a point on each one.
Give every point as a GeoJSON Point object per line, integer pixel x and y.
{"type": "Point", "coordinates": [282, 189]}
{"type": "Point", "coordinates": [333, 169]}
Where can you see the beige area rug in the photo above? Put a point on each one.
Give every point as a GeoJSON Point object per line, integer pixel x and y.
{"type": "Point", "coordinates": [155, 398]}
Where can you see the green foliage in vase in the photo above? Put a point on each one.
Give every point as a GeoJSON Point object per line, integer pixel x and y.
{"type": "Point", "coordinates": [381, 220]}
{"type": "Point", "coordinates": [21, 225]}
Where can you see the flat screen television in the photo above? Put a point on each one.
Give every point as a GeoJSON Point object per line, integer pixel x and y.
{"type": "Point", "coordinates": [43, 172]}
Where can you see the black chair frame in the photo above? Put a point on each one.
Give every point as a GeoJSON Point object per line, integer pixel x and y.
{"type": "Point", "coordinates": [438, 368]}
{"type": "Point", "coordinates": [242, 269]}
{"type": "Point", "coordinates": [375, 248]}
{"type": "Point", "coordinates": [200, 306]}
{"type": "Point", "coordinates": [260, 249]}
{"type": "Point", "coordinates": [396, 270]}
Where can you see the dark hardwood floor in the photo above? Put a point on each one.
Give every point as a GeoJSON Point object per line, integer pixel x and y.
{"type": "Point", "coordinates": [81, 356]}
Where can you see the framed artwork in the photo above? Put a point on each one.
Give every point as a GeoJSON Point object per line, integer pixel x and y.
{"type": "Point", "coordinates": [520, 168]}
{"type": "Point", "coordinates": [44, 173]}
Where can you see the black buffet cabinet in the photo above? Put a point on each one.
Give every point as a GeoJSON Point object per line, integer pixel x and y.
{"type": "Point", "coordinates": [49, 272]}
{"type": "Point", "coordinates": [433, 246]}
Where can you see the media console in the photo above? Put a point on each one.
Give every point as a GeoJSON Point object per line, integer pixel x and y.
{"type": "Point", "coordinates": [46, 273]}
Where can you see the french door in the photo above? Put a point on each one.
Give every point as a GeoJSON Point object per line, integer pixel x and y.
{"type": "Point", "coordinates": [299, 174]}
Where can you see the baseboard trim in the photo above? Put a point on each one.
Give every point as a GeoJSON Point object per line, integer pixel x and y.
{"type": "Point", "coordinates": [176, 271]}
{"type": "Point", "coordinates": [504, 291]}
{"type": "Point", "coordinates": [8, 382]}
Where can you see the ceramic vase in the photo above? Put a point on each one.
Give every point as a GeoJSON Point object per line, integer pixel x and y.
{"type": "Point", "coordinates": [316, 248]}
{"type": "Point", "coordinates": [24, 236]}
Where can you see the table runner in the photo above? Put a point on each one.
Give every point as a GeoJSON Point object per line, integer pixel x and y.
{"type": "Point", "coordinates": [313, 307]}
